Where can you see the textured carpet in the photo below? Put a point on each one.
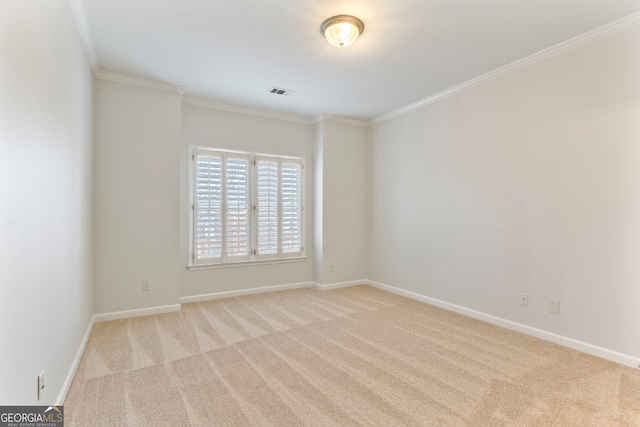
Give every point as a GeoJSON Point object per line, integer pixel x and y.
{"type": "Point", "coordinates": [347, 357]}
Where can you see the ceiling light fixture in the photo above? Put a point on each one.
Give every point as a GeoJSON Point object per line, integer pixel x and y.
{"type": "Point", "coordinates": [341, 30]}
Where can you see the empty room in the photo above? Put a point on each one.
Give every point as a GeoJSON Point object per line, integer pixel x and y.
{"type": "Point", "coordinates": [320, 213]}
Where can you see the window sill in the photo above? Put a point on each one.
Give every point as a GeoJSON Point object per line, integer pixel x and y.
{"type": "Point", "coordinates": [244, 263]}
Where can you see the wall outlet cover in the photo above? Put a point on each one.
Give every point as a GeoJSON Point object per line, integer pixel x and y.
{"type": "Point", "coordinates": [40, 383]}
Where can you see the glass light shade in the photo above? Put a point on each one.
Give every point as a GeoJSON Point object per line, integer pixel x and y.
{"type": "Point", "coordinates": [342, 30]}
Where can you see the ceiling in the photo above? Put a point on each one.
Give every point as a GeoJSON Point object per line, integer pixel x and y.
{"type": "Point", "coordinates": [234, 51]}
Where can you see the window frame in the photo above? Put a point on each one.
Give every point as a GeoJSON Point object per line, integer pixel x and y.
{"type": "Point", "coordinates": [254, 258]}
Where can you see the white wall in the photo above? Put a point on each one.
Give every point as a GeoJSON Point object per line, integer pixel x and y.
{"type": "Point", "coordinates": [528, 183]}
{"type": "Point", "coordinates": [137, 175]}
{"type": "Point", "coordinates": [342, 214]}
{"type": "Point", "coordinates": [46, 288]}
{"type": "Point", "coordinates": [211, 127]}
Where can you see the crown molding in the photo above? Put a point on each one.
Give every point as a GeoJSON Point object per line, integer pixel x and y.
{"type": "Point", "coordinates": [85, 34]}
{"type": "Point", "coordinates": [138, 81]}
{"type": "Point", "coordinates": [543, 55]}
{"type": "Point", "coordinates": [344, 120]}
{"type": "Point", "coordinates": [244, 110]}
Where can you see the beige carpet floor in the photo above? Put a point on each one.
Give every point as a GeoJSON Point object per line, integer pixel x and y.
{"type": "Point", "coordinates": [347, 357]}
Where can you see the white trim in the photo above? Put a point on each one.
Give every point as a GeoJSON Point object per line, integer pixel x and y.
{"type": "Point", "coordinates": [66, 385]}
{"type": "Point", "coordinates": [542, 55]}
{"type": "Point", "coordinates": [244, 110]}
{"type": "Point", "coordinates": [242, 292]}
{"type": "Point", "coordinates": [138, 81]}
{"type": "Point", "coordinates": [126, 314]}
{"type": "Point", "coordinates": [85, 34]}
{"type": "Point", "coordinates": [344, 120]}
{"type": "Point", "coordinates": [614, 356]}
{"type": "Point", "coordinates": [339, 285]}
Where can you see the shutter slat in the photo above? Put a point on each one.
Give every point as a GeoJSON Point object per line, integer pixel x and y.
{"type": "Point", "coordinates": [238, 240]}
{"type": "Point", "coordinates": [267, 238]}
{"type": "Point", "coordinates": [208, 207]}
{"type": "Point", "coordinates": [291, 207]}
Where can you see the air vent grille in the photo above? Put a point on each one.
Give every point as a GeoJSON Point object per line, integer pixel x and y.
{"type": "Point", "coordinates": [280, 91]}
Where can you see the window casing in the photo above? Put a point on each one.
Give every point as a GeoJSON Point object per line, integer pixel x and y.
{"type": "Point", "coordinates": [245, 207]}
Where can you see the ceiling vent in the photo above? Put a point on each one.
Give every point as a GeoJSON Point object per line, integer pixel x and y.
{"type": "Point", "coordinates": [280, 91]}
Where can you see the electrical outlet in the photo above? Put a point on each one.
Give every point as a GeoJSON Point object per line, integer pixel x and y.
{"type": "Point", "coordinates": [554, 306]}
{"type": "Point", "coordinates": [40, 383]}
{"type": "Point", "coordinates": [146, 286]}
{"type": "Point", "coordinates": [524, 299]}
{"type": "Point", "coordinates": [331, 268]}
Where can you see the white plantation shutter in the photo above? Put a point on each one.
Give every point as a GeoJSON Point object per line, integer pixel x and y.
{"type": "Point", "coordinates": [268, 212]}
{"type": "Point", "coordinates": [279, 207]}
{"type": "Point", "coordinates": [291, 202]}
{"type": "Point", "coordinates": [238, 204]}
{"type": "Point", "coordinates": [207, 236]}
{"type": "Point", "coordinates": [241, 217]}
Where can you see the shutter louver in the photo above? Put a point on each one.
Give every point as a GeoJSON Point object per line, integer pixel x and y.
{"type": "Point", "coordinates": [238, 208]}
{"type": "Point", "coordinates": [208, 208]}
{"type": "Point", "coordinates": [267, 182]}
{"type": "Point", "coordinates": [291, 222]}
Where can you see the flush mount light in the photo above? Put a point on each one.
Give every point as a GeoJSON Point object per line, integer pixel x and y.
{"type": "Point", "coordinates": [341, 30]}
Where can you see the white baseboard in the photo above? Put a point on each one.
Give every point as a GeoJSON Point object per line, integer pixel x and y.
{"type": "Point", "coordinates": [126, 314]}
{"type": "Point", "coordinates": [66, 385]}
{"type": "Point", "coordinates": [340, 284]}
{"type": "Point", "coordinates": [614, 356]}
{"type": "Point", "coordinates": [250, 291]}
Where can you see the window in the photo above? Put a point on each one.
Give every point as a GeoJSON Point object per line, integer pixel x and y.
{"type": "Point", "coordinates": [245, 207]}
